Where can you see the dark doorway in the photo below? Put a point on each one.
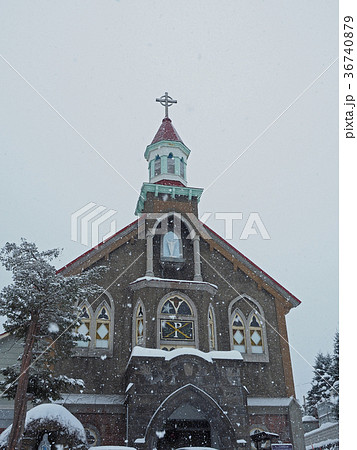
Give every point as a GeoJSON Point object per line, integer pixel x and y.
{"type": "Point", "coordinates": [185, 433]}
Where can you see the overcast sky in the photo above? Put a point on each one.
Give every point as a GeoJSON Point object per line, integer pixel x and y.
{"type": "Point", "coordinates": [78, 86]}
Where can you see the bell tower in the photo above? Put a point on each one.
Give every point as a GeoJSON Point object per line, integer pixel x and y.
{"type": "Point", "coordinates": [167, 154]}
{"type": "Point", "coordinates": [167, 157]}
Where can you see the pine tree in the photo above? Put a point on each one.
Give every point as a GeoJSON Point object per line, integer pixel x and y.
{"type": "Point", "coordinates": [321, 383]}
{"type": "Point", "coordinates": [325, 383]}
{"type": "Point", "coordinates": [40, 306]}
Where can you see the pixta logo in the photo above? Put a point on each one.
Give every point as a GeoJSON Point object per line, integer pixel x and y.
{"type": "Point", "coordinates": [93, 224]}
{"type": "Point", "coordinates": [88, 223]}
{"type": "Point", "coordinates": [158, 223]}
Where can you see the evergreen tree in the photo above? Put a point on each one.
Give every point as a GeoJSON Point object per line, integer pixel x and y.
{"type": "Point", "coordinates": [325, 383]}
{"type": "Point", "coordinates": [321, 383]}
{"type": "Point", "coordinates": [41, 310]}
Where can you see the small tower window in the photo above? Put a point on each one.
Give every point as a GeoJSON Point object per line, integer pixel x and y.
{"type": "Point", "coordinates": [170, 164]}
{"type": "Point", "coordinates": [171, 247]}
{"type": "Point", "coordinates": [182, 168]}
{"type": "Point", "coordinates": [102, 328]}
{"type": "Point", "coordinates": [157, 165]}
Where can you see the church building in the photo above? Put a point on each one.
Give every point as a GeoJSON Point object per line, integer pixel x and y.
{"type": "Point", "coordinates": [189, 344]}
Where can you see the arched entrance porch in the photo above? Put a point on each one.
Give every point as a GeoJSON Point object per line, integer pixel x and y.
{"type": "Point", "coordinates": [189, 417]}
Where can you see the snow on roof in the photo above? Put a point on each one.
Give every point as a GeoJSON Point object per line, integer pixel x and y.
{"type": "Point", "coordinates": [269, 401]}
{"type": "Point", "coordinates": [91, 399]}
{"type": "Point", "coordinates": [172, 279]}
{"type": "Point", "coordinates": [51, 411]}
{"type": "Point", "coordinates": [210, 356]}
{"type": "Point", "coordinates": [324, 426]}
{"type": "Point", "coordinates": [309, 419]}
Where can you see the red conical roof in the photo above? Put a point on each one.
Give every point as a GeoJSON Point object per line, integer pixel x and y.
{"type": "Point", "coordinates": [166, 132]}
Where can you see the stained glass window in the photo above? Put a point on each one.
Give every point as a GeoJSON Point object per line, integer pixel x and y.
{"type": "Point", "coordinates": [211, 331]}
{"type": "Point", "coordinates": [238, 332]}
{"type": "Point", "coordinates": [102, 328]}
{"type": "Point", "coordinates": [178, 306]}
{"type": "Point", "coordinates": [140, 326]}
{"type": "Point", "coordinates": [180, 330]}
{"type": "Point", "coordinates": [256, 336]}
{"type": "Point", "coordinates": [176, 324]}
{"type": "Point", "coordinates": [84, 328]}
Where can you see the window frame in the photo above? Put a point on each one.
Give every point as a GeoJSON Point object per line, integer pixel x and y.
{"type": "Point", "coordinates": [171, 163]}
{"type": "Point", "coordinates": [238, 312]}
{"type": "Point", "coordinates": [179, 258]}
{"type": "Point", "coordinates": [92, 350]}
{"type": "Point", "coordinates": [177, 343]}
{"type": "Point", "coordinates": [138, 305]}
{"type": "Point", "coordinates": [258, 311]}
{"type": "Point", "coordinates": [157, 166]}
{"type": "Point", "coordinates": [99, 322]}
{"type": "Point", "coordinates": [251, 330]}
{"type": "Point", "coordinates": [212, 332]}
{"type": "Point", "coordinates": [85, 344]}
{"type": "Point", "coordinates": [182, 168]}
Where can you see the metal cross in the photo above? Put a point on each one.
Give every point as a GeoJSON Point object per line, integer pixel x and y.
{"type": "Point", "coordinates": [166, 101]}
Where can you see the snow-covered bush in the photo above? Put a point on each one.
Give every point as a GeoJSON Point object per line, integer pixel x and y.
{"type": "Point", "coordinates": [55, 420]}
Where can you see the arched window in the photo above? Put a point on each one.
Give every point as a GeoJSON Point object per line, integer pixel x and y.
{"type": "Point", "coordinates": [102, 328]}
{"type": "Point", "coordinates": [256, 335]}
{"type": "Point", "coordinates": [211, 329]}
{"type": "Point", "coordinates": [177, 323]}
{"type": "Point", "coordinates": [97, 326]}
{"type": "Point", "coordinates": [84, 328]}
{"type": "Point", "coordinates": [171, 246]}
{"type": "Point", "coordinates": [157, 167]}
{"type": "Point", "coordinates": [248, 330]}
{"type": "Point", "coordinates": [238, 333]}
{"type": "Point", "coordinates": [140, 325]}
{"type": "Point", "coordinates": [182, 168]}
{"type": "Point", "coordinates": [170, 163]}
